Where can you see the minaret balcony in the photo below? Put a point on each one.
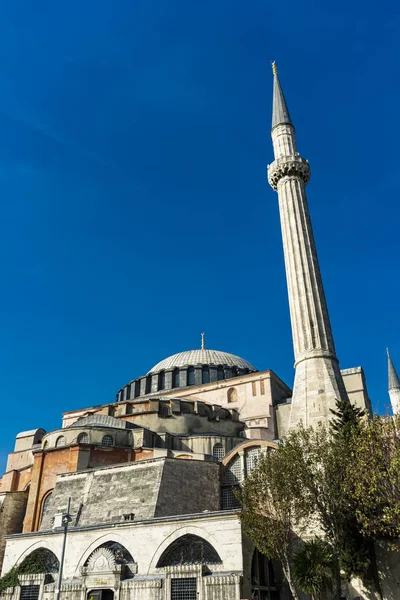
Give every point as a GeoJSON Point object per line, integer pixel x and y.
{"type": "Point", "coordinates": [288, 166]}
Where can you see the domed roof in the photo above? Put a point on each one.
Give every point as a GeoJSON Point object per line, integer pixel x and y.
{"type": "Point", "coordinates": [202, 357]}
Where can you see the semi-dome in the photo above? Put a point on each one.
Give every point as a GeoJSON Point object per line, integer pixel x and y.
{"type": "Point", "coordinates": [202, 357]}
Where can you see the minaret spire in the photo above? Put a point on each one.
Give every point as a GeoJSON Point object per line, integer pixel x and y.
{"type": "Point", "coordinates": [318, 382]}
{"type": "Point", "coordinates": [280, 111]}
{"type": "Point", "coordinates": [394, 386]}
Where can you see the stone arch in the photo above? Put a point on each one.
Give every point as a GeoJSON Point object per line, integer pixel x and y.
{"type": "Point", "coordinates": [179, 533]}
{"type": "Point", "coordinates": [245, 446]}
{"type": "Point", "coordinates": [101, 541]}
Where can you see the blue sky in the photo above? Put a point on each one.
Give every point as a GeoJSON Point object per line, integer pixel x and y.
{"type": "Point", "coordinates": [134, 137]}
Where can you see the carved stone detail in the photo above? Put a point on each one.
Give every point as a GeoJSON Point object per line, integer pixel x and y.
{"type": "Point", "coordinates": [102, 559]}
{"type": "Point", "coordinates": [288, 166]}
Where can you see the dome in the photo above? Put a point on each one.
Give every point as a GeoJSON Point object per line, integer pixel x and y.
{"type": "Point", "coordinates": [202, 357]}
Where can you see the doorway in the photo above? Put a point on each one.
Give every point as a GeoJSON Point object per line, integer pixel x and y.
{"type": "Point", "coordinates": [105, 594]}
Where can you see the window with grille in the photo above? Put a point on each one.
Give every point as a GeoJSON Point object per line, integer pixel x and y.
{"type": "Point", "coordinates": [190, 376]}
{"type": "Point", "coordinates": [161, 380]}
{"type": "Point", "coordinates": [184, 588]}
{"type": "Point", "coordinates": [218, 451]}
{"type": "Point", "coordinates": [30, 592]}
{"type": "Point", "coordinates": [176, 378]}
{"type": "Point", "coordinates": [83, 438]}
{"type": "Point", "coordinates": [148, 385]}
{"type": "Point", "coordinates": [189, 550]}
{"type": "Point", "coordinates": [233, 473]}
{"type": "Point", "coordinates": [137, 388]}
{"type": "Point", "coordinates": [60, 441]}
{"type": "Point", "coordinates": [107, 440]}
{"type": "Point", "coordinates": [252, 456]}
{"type": "Point", "coordinates": [206, 375]}
{"type": "Point", "coordinates": [229, 500]}
{"type": "Point", "coordinates": [164, 410]}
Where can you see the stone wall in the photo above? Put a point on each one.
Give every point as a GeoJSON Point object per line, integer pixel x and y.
{"type": "Point", "coordinates": [188, 487]}
{"type": "Point", "coordinates": [12, 512]}
{"type": "Point", "coordinates": [158, 487]}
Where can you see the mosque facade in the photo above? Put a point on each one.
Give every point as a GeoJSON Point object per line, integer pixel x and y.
{"type": "Point", "coordinates": [150, 478]}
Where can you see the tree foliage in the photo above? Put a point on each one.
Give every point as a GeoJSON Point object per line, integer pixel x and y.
{"type": "Point", "coordinates": [375, 476]}
{"type": "Point", "coordinates": [268, 511]}
{"type": "Point", "coordinates": [313, 567]}
{"type": "Point", "coordinates": [305, 485]}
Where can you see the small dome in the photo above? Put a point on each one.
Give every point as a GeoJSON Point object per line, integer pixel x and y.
{"type": "Point", "coordinates": [202, 357]}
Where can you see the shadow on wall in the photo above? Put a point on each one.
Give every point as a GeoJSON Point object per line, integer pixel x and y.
{"type": "Point", "coordinates": [388, 563]}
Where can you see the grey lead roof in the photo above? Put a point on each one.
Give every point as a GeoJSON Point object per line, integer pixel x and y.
{"type": "Point", "coordinates": [202, 357]}
{"type": "Point", "coordinates": [101, 421]}
{"type": "Point", "coordinates": [280, 111]}
{"type": "Point", "coordinates": [394, 381]}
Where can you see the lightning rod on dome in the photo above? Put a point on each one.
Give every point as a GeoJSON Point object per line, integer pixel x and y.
{"type": "Point", "coordinates": [202, 341]}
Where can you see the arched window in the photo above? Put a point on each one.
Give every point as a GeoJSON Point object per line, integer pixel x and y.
{"type": "Point", "coordinates": [161, 380]}
{"type": "Point", "coordinates": [232, 395]}
{"type": "Point", "coordinates": [45, 444]}
{"type": "Point", "coordinates": [189, 550]}
{"type": "Point", "coordinates": [206, 375]}
{"type": "Point", "coordinates": [60, 441]}
{"type": "Point", "coordinates": [176, 378]}
{"type": "Point", "coordinates": [45, 504]}
{"type": "Point", "coordinates": [218, 451]}
{"type": "Point", "coordinates": [83, 438]}
{"type": "Point", "coordinates": [220, 373]}
{"type": "Point", "coordinates": [39, 561]}
{"type": "Point", "coordinates": [107, 440]}
{"type": "Point", "coordinates": [190, 376]}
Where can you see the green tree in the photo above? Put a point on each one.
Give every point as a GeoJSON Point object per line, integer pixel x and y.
{"type": "Point", "coordinates": [268, 511]}
{"type": "Point", "coordinates": [357, 555]}
{"type": "Point", "coordinates": [375, 478]}
{"type": "Point", "coordinates": [347, 419]}
{"type": "Point", "coordinates": [313, 567]}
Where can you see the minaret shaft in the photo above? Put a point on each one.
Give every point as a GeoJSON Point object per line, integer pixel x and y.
{"type": "Point", "coordinates": [309, 314]}
{"type": "Point", "coordinates": [318, 381]}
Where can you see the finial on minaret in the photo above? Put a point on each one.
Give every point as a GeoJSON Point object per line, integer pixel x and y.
{"type": "Point", "coordinates": [202, 341]}
{"type": "Point", "coordinates": [280, 111]}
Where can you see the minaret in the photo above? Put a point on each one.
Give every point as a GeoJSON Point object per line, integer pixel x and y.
{"type": "Point", "coordinates": [318, 381]}
{"type": "Point", "coordinates": [394, 386]}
